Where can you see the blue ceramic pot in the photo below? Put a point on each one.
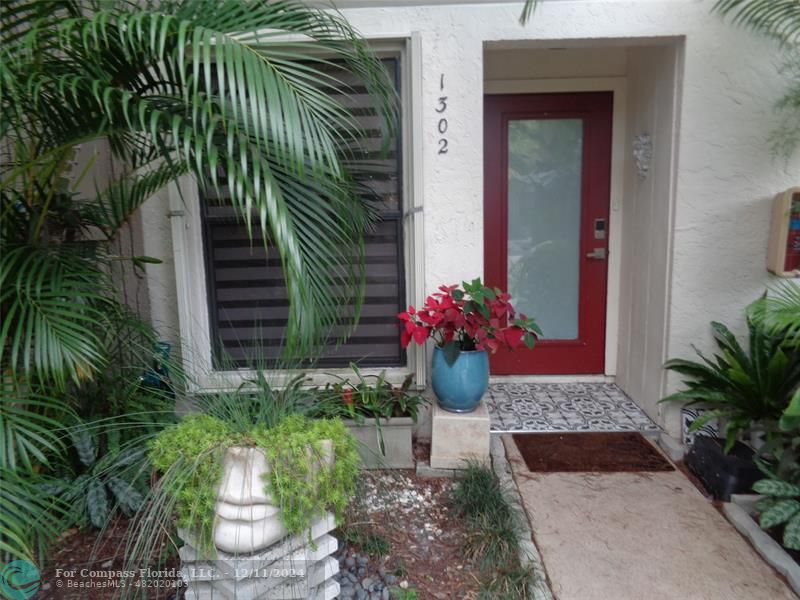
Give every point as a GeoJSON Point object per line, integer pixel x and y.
{"type": "Point", "coordinates": [459, 387]}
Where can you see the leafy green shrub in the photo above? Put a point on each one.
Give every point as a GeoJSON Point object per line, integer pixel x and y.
{"type": "Point", "coordinates": [742, 387]}
{"type": "Point", "coordinates": [368, 396]}
{"type": "Point", "coordinates": [302, 489]}
{"type": "Point", "coordinates": [74, 455]}
{"type": "Point", "coordinates": [191, 453]}
{"type": "Point", "coordinates": [105, 482]}
{"type": "Point", "coordinates": [61, 64]}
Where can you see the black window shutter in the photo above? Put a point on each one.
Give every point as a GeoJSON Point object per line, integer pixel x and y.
{"type": "Point", "coordinates": [247, 297]}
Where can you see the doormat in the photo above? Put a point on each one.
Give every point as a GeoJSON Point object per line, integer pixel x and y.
{"type": "Point", "coordinates": [589, 452]}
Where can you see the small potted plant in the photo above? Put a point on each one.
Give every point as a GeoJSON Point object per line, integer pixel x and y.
{"type": "Point", "coordinates": [380, 415]}
{"type": "Point", "coordinates": [747, 387]}
{"type": "Point", "coordinates": [465, 322]}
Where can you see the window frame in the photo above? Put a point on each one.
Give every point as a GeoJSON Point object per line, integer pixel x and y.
{"type": "Point", "coordinates": [190, 262]}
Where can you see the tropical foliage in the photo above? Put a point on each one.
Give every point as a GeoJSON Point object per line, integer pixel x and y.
{"type": "Point", "coordinates": [527, 11]}
{"type": "Point", "coordinates": [194, 86]}
{"type": "Point", "coordinates": [62, 443]}
{"type": "Point", "coordinates": [235, 93]}
{"type": "Point", "coordinates": [779, 312]}
{"type": "Point", "coordinates": [779, 19]}
{"type": "Point", "coordinates": [361, 396]}
{"type": "Point", "coordinates": [780, 506]}
{"type": "Point", "coordinates": [743, 386]}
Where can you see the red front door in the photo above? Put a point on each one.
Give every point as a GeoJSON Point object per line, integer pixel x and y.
{"type": "Point", "coordinates": [547, 172]}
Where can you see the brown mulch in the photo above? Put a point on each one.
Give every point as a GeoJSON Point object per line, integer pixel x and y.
{"type": "Point", "coordinates": [414, 516]}
{"type": "Point", "coordinates": [589, 452]}
{"type": "Point", "coordinates": [86, 564]}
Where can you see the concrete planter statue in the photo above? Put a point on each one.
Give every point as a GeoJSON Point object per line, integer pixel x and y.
{"type": "Point", "coordinates": [252, 541]}
{"type": "Point", "coordinates": [240, 541]}
{"type": "Point", "coordinates": [247, 519]}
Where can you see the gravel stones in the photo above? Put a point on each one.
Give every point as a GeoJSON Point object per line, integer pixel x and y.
{"type": "Point", "coordinates": [360, 579]}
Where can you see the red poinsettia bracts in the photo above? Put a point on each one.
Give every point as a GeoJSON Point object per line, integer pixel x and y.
{"type": "Point", "coordinates": [474, 317]}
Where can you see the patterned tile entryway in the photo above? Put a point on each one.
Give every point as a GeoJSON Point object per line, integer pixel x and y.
{"type": "Point", "coordinates": [564, 407]}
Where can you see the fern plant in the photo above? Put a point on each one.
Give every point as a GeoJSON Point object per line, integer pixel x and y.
{"type": "Point", "coordinates": [780, 20]}
{"type": "Point", "coordinates": [781, 506]}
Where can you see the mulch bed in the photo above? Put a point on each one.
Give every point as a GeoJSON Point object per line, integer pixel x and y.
{"type": "Point", "coordinates": [91, 567]}
{"type": "Point", "coordinates": [414, 516]}
{"type": "Point", "coordinates": [589, 452]}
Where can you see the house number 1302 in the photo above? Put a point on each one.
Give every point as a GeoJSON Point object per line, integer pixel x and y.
{"type": "Point", "coordinates": [441, 126]}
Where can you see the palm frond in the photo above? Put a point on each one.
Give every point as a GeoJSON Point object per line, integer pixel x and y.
{"type": "Point", "coordinates": [226, 88]}
{"type": "Point", "coordinates": [527, 10]}
{"type": "Point", "coordinates": [777, 18]}
{"type": "Point", "coordinates": [778, 311]}
{"type": "Point", "coordinates": [30, 516]}
{"type": "Point", "coordinates": [112, 207]}
{"type": "Point", "coordinates": [31, 425]}
{"type": "Point", "coordinates": [52, 300]}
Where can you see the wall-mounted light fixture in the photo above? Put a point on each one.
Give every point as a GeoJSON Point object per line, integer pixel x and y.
{"type": "Point", "coordinates": [643, 154]}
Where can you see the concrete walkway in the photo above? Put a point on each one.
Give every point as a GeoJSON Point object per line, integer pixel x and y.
{"type": "Point", "coordinates": [638, 536]}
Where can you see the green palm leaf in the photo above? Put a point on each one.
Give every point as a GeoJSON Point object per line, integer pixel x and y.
{"type": "Point", "coordinates": [29, 516]}
{"type": "Point", "coordinates": [779, 312]}
{"type": "Point", "coordinates": [216, 87]}
{"type": "Point", "coordinates": [52, 300]}
{"type": "Point", "coordinates": [527, 10]}
{"type": "Point", "coordinates": [31, 430]}
{"type": "Point", "coordinates": [777, 18]}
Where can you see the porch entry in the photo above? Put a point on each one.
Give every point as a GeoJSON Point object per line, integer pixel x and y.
{"type": "Point", "coordinates": [547, 170]}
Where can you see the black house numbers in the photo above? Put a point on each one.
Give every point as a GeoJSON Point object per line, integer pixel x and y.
{"type": "Point", "coordinates": [441, 126]}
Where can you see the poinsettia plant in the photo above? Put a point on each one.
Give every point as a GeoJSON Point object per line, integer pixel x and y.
{"type": "Point", "coordinates": [468, 317]}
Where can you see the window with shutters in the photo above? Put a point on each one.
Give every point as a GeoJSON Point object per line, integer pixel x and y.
{"type": "Point", "coordinates": [247, 300]}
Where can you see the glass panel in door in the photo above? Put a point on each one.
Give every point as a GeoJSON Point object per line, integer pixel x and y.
{"type": "Point", "coordinates": [544, 222]}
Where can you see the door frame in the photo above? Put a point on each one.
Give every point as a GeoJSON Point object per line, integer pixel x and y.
{"type": "Point", "coordinates": [617, 85]}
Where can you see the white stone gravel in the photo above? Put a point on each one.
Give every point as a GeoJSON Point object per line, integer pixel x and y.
{"type": "Point", "coordinates": [381, 492]}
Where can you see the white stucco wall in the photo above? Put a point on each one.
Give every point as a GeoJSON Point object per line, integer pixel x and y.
{"type": "Point", "coordinates": [653, 94]}
{"type": "Point", "coordinates": [724, 175]}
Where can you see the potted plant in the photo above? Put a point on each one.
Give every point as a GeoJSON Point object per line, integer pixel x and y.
{"type": "Point", "coordinates": [248, 468]}
{"type": "Point", "coordinates": [380, 416]}
{"type": "Point", "coordinates": [465, 322]}
{"type": "Point", "coordinates": [748, 391]}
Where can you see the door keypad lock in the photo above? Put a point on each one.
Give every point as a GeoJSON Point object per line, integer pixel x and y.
{"type": "Point", "coordinates": [599, 229]}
